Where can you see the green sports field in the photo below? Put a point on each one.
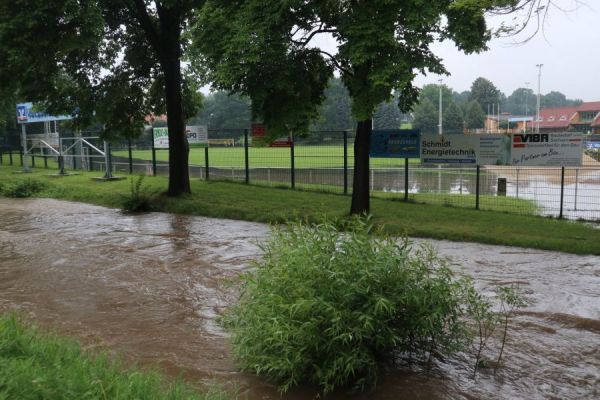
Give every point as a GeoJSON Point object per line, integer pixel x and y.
{"type": "Point", "coordinates": [305, 157]}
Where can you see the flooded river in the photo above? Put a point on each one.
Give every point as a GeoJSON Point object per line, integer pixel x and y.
{"type": "Point", "coordinates": [149, 287]}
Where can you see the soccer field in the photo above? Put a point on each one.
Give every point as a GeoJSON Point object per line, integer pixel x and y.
{"type": "Point", "coordinates": [304, 157]}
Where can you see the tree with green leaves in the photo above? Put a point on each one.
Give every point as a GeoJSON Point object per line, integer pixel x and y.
{"type": "Point", "coordinates": [335, 113]}
{"type": "Point", "coordinates": [222, 110]}
{"type": "Point", "coordinates": [522, 101]}
{"type": "Point", "coordinates": [475, 116]}
{"type": "Point", "coordinates": [431, 92]}
{"type": "Point", "coordinates": [426, 117]}
{"type": "Point", "coordinates": [453, 121]}
{"type": "Point", "coordinates": [557, 99]}
{"type": "Point", "coordinates": [485, 93]}
{"type": "Point", "coordinates": [387, 116]}
{"type": "Point", "coordinates": [112, 61]}
{"type": "Point", "coordinates": [266, 50]}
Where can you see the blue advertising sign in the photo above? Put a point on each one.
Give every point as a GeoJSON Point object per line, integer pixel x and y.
{"type": "Point", "coordinates": [26, 115]}
{"type": "Point", "coordinates": [395, 143]}
{"type": "Point", "coordinates": [593, 145]}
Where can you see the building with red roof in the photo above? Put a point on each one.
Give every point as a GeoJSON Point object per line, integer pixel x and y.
{"type": "Point", "coordinates": [583, 118]}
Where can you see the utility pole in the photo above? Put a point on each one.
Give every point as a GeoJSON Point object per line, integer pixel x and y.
{"type": "Point", "coordinates": [537, 120]}
{"type": "Point", "coordinates": [440, 130]}
{"type": "Point", "coordinates": [526, 102]}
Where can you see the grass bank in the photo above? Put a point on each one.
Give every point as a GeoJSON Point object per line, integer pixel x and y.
{"type": "Point", "coordinates": [35, 365]}
{"type": "Point", "coordinates": [261, 204]}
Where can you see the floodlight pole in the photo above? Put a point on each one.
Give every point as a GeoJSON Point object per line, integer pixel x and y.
{"type": "Point", "coordinates": [526, 102]}
{"type": "Point", "coordinates": [440, 130]}
{"type": "Point", "coordinates": [24, 143]}
{"type": "Point", "coordinates": [537, 122]}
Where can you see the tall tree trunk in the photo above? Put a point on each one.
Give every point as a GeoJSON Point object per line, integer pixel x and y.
{"type": "Point", "coordinates": [360, 184]}
{"type": "Point", "coordinates": [179, 179]}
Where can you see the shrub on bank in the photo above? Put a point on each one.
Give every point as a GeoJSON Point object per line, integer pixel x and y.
{"type": "Point", "coordinates": [140, 197]}
{"type": "Point", "coordinates": [332, 308]}
{"type": "Point", "coordinates": [22, 188]}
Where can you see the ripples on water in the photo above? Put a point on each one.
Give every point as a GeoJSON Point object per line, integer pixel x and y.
{"type": "Point", "coordinates": [150, 287]}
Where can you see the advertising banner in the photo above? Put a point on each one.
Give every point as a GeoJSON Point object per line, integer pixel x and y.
{"type": "Point", "coordinates": [396, 143]}
{"type": "Point", "coordinates": [161, 138]}
{"type": "Point", "coordinates": [449, 149]}
{"type": "Point", "coordinates": [494, 150]}
{"type": "Point", "coordinates": [27, 115]}
{"type": "Point", "coordinates": [592, 145]}
{"type": "Point", "coordinates": [563, 149]}
{"type": "Point", "coordinates": [197, 136]}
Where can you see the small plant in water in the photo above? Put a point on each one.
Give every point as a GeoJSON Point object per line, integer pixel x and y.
{"type": "Point", "coordinates": [22, 188]}
{"type": "Point", "coordinates": [332, 308]}
{"type": "Point", "coordinates": [487, 322]}
{"type": "Point", "coordinates": [140, 197]}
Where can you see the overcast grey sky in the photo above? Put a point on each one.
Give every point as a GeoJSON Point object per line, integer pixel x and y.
{"type": "Point", "coordinates": [569, 48]}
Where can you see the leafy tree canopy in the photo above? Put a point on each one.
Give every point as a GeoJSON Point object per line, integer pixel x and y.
{"type": "Point", "coordinates": [265, 50]}
{"type": "Point", "coordinates": [453, 119]}
{"type": "Point", "coordinates": [426, 117]}
{"type": "Point", "coordinates": [485, 93]}
{"type": "Point", "coordinates": [113, 61]}
{"type": "Point", "coordinates": [431, 92]}
{"type": "Point", "coordinates": [475, 116]}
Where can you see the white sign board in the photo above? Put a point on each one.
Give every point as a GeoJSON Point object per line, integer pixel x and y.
{"type": "Point", "coordinates": [161, 138]}
{"type": "Point", "coordinates": [197, 136]}
{"type": "Point", "coordinates": [449, 149]}
{"type": "Point", "coordinates": [494, 150]}
{"type": "Point", "coordinates": [564, 149]}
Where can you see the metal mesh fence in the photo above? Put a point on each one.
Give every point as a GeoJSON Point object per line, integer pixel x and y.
{"type": "Point", "coordinates": [323, 161]}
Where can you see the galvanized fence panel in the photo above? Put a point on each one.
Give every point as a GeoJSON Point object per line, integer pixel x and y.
{"type": "Point", "coordinates": [323, 161]}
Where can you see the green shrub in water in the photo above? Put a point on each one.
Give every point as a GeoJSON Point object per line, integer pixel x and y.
{"type": "Point", "coordinates": [332, 308]}
{"type": "Point", "coordinates": [22, 188]}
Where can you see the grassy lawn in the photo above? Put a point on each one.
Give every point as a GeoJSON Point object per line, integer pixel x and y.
{"type": "Point", "coordinates": [305, 157]}
{"type": "Point", "coordinates": [263, 204]}
{"type": "Point", "coordinates": [35, 365]}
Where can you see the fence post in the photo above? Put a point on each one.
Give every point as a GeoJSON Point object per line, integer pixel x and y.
{"type": "Point", "coordinates": [130, 156]}
{"type": "Point", "coordinates": [246, 159]}
{"type": "Point", "coordinates": [345, 162]}
{"type": "Point", "coordinates": [1, 159]}
{"type": "Point", "coordinates": [74, 155]}
{"type": "Point", "coordinates": [10, 159]}
{"type": "Point", "coordinates": [21, 156]}
{"type": "Point", "coordinates": [153, 159]}
{"type": "Point", "coordinates": [562, 191]}
{"type": "Point", "coordinates": [32, 160]}
{"type": "Point", "coordinates": [293, 165]}
{"type": "Point", "coordinates": [576, 185]}
{"type": "Point", "coordinates": [45, 158]}
{"type": "Point", "coordinates": [477, 189]}
{"type": "Point", "coordinates": [206, 165]}
{"type": "Point", "coordinates": [406, 179]}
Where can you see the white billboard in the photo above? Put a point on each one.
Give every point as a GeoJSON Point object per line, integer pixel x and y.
{"type": "Point", "coordinates": [564, 149]}
{"type": "Point", "coordinates": [449, 149]}
{"type": "Point", "coordinates": [197, 136]}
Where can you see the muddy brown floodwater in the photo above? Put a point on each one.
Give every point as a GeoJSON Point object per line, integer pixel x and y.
{"type": "Point", "coordinates": [149, 287]}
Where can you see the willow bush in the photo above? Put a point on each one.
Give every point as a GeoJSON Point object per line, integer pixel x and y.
{"type": "Point", "coordinates": [332, 308]}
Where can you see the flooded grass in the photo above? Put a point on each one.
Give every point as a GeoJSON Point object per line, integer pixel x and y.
{"type": "Point", "coordinates": [43, 366]}
{"type": "Point", "coordinates": [260, 204]}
